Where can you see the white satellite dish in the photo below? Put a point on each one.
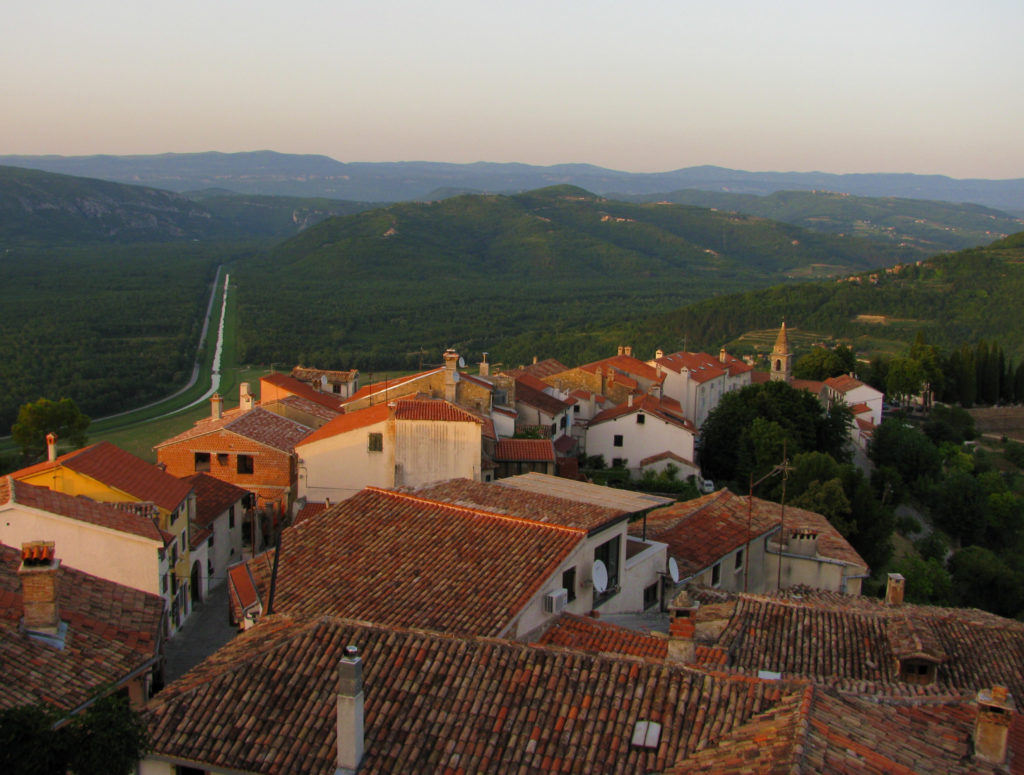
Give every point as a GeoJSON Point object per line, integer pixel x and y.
{"type": "Point", "coordinates": [462, 362]}
{"type": "Point", "coordinates": [600, 576]}
{"type": "Point", "coordinates": [673, 569]}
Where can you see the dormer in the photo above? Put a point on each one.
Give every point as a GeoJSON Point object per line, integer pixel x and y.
{"type": "Point", "coordinates": [916, 651]}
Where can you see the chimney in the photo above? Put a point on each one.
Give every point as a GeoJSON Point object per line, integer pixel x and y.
{"type": "Point", "coordinates": [722, 356]}
{"type": "Point", "coordinates": [995, 713]}
{"type": "Point", "coordinates": [485, 367]}
{"type": "Point", "coordinates": [803, 542]}
{"type": "Point", "coordinates": [350, 711]}
{"type": "Point", "coordinates": [628, 350]}
{"type": "Point", "coordinates": [659, 353]}
{"type": "Point", "coordinates": [245, 397]}
{"type": "Point", "coordinates": [51, 446]}
{"type": "Point", "coordinates": [621, 349]}
{"type": "Point", "coordinates": [38, 572]}
{"type": "Point", "coordinates": [682, 626]}
{"type": "Point", "coordinates": [534, 360]}
{"type": "Point", "coordinates": [451, 374]}
{"type": "Point", "coordinates": [629, 400]}
{"type": "Point", "coordinates": [216, 406]}
{"type": "Point", "coordinates": [894, 589]}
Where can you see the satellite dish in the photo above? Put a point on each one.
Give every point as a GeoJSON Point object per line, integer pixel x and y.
{"type": "Point", "coordinates": [673, 569]}
{"type": "Point", "coordinates": [600, 576]}
{"type": "Point", "coordinates": [462, 362]}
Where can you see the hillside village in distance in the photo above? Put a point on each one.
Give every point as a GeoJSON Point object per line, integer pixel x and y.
{"type": "Point", "coordinates": [422, 581]}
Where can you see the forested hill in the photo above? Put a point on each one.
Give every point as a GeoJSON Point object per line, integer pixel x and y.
{"type": "Point", "coordinates": [363, 290]}
{"type": "Point", "coordinates": [41, 208]}
{"type": "Point", "coordinates": [929, 225]}
{"type": "Point", "coordinates": [953, 299]}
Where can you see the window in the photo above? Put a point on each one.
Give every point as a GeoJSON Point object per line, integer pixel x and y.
{"type": "Point", "coordinates": [716, 574]}
{"type": "Point", "coordinates": [231, 516]}
{"type": "Point", "coordinates": [650, 596]}
{"type": "Point", "coordinates": [641, 418]}
{"type": "Point", "coordinates": [608, 553]}
{"type": "Point", "coordinates": [222, 458]}
{"type": "Point", "coordinates": [617, 440]}
{"type": "Point", "coordinates": [569, 582]}
{"type": "Point", "coordinates": [576, 409]}
{"type": "Point", "coordinates": [375, 442]}
{"type": "Point", "coordinates": [245, 464]}
{"type": "Point", "coordinates": [202, 461]}
{"type": "Point", "coordinates": [554, 429]}
{"type": "Point", "coordinates": [739, 559]}
{"type": "Point", "coordinates": [563, 422]}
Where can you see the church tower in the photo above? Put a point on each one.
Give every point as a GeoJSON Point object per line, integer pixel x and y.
{"type": "Point", "coordinates": [782, 358]}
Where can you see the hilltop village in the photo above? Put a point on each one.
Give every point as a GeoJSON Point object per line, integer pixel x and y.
{"type": "Point", "coordinates": [422, 581]}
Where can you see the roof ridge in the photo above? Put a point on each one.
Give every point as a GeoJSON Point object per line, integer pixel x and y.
{"type": "Point", "coordinates": [474, 511]}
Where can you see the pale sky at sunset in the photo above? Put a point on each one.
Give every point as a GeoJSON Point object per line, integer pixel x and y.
{"type": "Point", "coordinates": [926, 87]}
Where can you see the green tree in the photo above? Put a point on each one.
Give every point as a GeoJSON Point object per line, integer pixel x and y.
{"type": "Point", "coordinates": [905, 379]}
{"type": "Point", "coordinates": [44, 416]}
{"type": "Point", "coordinates": [907, 450]}
{"type": "Point", "coordinates": [819, 364]}
{"type": "Point", "coordinates": [981, 579]}
{"type": "Point", "coordinates": [928, 582]}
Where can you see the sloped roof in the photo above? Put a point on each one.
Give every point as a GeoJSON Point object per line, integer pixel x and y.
{"type": "Point", "coordinates": [78, 508]}
{"type": "Point", "coordinates": [701, 366]}
{"type": "Point", "coordinates": [307, 374]}
{"type": "Point", "coordinates": [626, 501]}
{"type": "Point", "coordinates": [397, 558]}
{"type": "Point", "coordinates": [664, 408]}
{"type": "Point", "coordinates": [536, 398]}
{"type": "Point", "coordinates": [626, 364]}
{"type": "Point", "coordinates": [541, 369]}
{"type": "Point", "coordinates": [495, 498]}
{"type": "Point", "coordinates": [266, 703]}
{"type": "Point", "coordinates": [303, 405]}
{"type": "Point", "coordinates": [298, 388]}
{"type": "Point", "coordinates": [213, 497]}
{"type": "Point", "coordinates": [257, 424]}
{"type": "Point", "coordinates": [114, 467]}
{"type": "Point", "coordinates": [584, 633]}
{"type": "Point", "coordinates": [850, 640]}
{"type": "Point", "coordinates": [390, 384]}
{"type": "Point", "coordinates": [844, 383]}
{"type": "Point", "coordinates": [666, 455]}
{"type": "Point", "coordinates": [532, 450]}
{"type": "Point", "coordinates": [432, 409]}
{"type": "Point", "coordinates": [113, 631]}
{"type": "Point", "coordinates": [348, 422]}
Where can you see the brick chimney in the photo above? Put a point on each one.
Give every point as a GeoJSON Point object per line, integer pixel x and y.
{"type": "Point", "coordinates": [995, 714]}
{"type": "Point", "coordinates": [246, 400]}
{"type": "Point", "coordinates": [216, 406]}
{"type": "Point", "coordinates": [39, 572]}
{"type": "Point", "coordinates": [485, 367]}
{"type": "Point", "coordinates": [51, 446]}
{"type": "Point", "coordinates": [722, 356]}
{"type": "Point", "coordinates": [682, 626]}
{"type": "Point", "coordinates": [350, 733]}
{"type": "Point", "coordinates": [628, 349]}
{"type": "Point", "coordinates": [894, 589]}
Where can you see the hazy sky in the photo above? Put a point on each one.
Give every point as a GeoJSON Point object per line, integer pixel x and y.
{"type": "Point", "coordinates": [895, 86]}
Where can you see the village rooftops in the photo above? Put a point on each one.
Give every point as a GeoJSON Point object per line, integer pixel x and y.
{"type": "Point", "coordinates": [213, 497]}
{"type": "Point", "coordinates": [524, 450]}
{"type": "Point", "coordinates": [77, 508]}
{"type": "Point", "coordinates": [844, 383]}
{"type": "Point", "coordinates": [626, 364]}
{"type": "Point", "coordinates": [541, 369]}
{"type": "Point", "coordinates": [113, 633]}
{"type": "Point", "coordinates": [525, 503]}
{"type": "Point", "coordinates": [258, 424]}
{"type": "Point", "coordinates": [310, 375]}
{"type": "Point", "coordinates": [626, 501]}
{"type": "Point", "coordinates": [397, 558]}
{"type": "Point", "coordinates": [120, 470]}
{"type": "Point", "coordinates": [535, 397]}
{"type": "Point", "coordinates": [385, 387]}
{"type": "Point", "coordinates": [436, 703]}
{"type": "Point", "coordinates": [664, 408]}
{"type": "Point", "coordinates": [299, 388]}
{"type": "Point", "coordinates": [583, 633]}
{"type": "Point", "coordinates": [301, 404]}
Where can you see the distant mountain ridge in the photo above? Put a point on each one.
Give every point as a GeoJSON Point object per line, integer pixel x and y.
{"type": "Point", "coordinates": [269, 172]}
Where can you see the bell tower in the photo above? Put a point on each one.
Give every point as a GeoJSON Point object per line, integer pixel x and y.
{"type": "Point", "coordinates": [782, 358]}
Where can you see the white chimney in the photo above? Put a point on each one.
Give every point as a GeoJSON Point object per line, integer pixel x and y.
{"type": "Point", "coordinates": [659, 353]}
{"type": "Point", "coordinates": [51, 446]}
{"type": "Point", "coordinates": [216, 406]}
{"type": "Point", "coordinates": [246, 399]}
{"type": "Point", "coordinates": [350, 711]}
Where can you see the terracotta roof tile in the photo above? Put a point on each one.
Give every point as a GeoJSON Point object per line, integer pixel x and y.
{"type": "Point", "coordinates": [546, 368]}
{"type": "Point", "coordinates": [702, 367]}
{"type": "Point", "coordinates": [844, 383]}
{"type": "Point", "coordinates": [538, 399]}
{"type": "Point", "coordinates": [112, 631]}
{"type": "Point", "coordinates": [625, 364]}
{"type": "Point", "coordinates": [308, 375]}
{"type": "Point", "coordinates": [298, 388]}
{"type": "Point", "coordinates": [350, 421]}
{"type": "Point", "coordinates": [535, 450]}
{"type": "Point", "coordinates": [78, 508]}
{"type": "Point", "coordinates": [258, 424]}
{"type": "Point", "coordinates": [586, 634]}
{"type": "Point", "coordinates": [302, 405]}
{"type": "Point", "coordinates": [397, 558]}
{"type": "Point", "coordinates": [213, 497]}
{"type": "Point", "coordinates": [665, 409]}
{"type": "Point", "coordinates": [121, 470]}
{"type": "Point", "coordinates": [435, 704]}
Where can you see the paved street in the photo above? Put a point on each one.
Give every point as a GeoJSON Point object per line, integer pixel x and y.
{"type": "Point", "coordinates": [206, 630]}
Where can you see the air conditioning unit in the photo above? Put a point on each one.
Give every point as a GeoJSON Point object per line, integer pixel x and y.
{"type": "Point", "coordinates": [555, 602]}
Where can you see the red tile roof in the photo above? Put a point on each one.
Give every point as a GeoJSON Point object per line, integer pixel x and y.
{"type": "Point", "coordinates": [345, 423]}
{"type": "Point", "coordinates": [432, 409]}
{"type": "Point", "coordinates": [537, 399]}
{"type": "Point", "coordinates": [310, 509]}
{"type": "Point", "coordinates": [213, 497]}
{"type": "Point", "coordinates": [267, 702]}
{"type": "Point", "coordinates": [306, 374]}
{"type": "Point", "coordinates": [77, 508]}
{"type": "Point", "coordinates": [389, 384]}
{"type": "Point", "coordinates": [844, 383]}
{"type": "Point", "coordinates": [665, 409]}
{"type": "Point", "coordinates": [625, 364]}
{"type": "Point", "coordinates": [258, 424]}
{"type": "Point", "coordinates": [112, 631]}
{"type": "Point", "coordinates": [667, 455]}
{"type": "Point", "coordinates": [531, 381]}
{"type": "Point", "coordinates": [302, 390]}
{"type": "Point", "coordinates": [396, 558]}
{"type": "Point", "coordinates": [496, 498]}
{"type": "Point", "coordinates": [531, 450]}
{"type": "Point", "coordinates": [302, 405]}
{"type": "Point", "coordinates": [586, 634]}
{"type": "Point", "coordinates": [546, 368]}
{"type": "Point", "coordinates": [702, 367]}
{"type": "Point", "coordinates": [121, 470]}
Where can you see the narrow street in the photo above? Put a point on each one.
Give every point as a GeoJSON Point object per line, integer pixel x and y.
{"type": "Point", "coordinates": [205, 631]}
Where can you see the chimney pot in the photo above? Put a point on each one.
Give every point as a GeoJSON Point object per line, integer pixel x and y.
{"type": "Point", "coordinates": [350, 732]}
{"type": "Point", "coordinates": [621, 349]}
{"type": "Point", "coordinates": [659, 353]}
{"type": "Point", "coordinates": [894, 589]}
{"type": "Point", "coordinates": [245, 397]}
{"type": "Point", "coordinates": [992, 727]}
{"type": "Point", "coordinates": [629, 350]}
{"type": "Point", "coordinates": [216, 406]}
{"type": "Point", "coordinates": [51, 446]}
{"type": "Point", "coordinates": [38, 573]}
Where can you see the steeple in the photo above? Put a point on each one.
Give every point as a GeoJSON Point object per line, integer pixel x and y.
{"type": "Point", "coordinates": [782, 358]}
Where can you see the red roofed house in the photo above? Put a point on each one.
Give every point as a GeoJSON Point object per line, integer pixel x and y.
{"type": "Point", "coordinates": [698, 381]}
{"type": "Point", "coordinates": [297, 400]}
{"type": "Point", "coordinates": [340, 383]}
{"type": "Point", "coordinates": [864, 400]}
{"type": "Point", "coordinates": [223, 526]}
{"type": "Point", "coordinates": [404, 443]}
{"type": "Point", "coordinates": [67, 636]}
{"type": "Point", "coordinates": [641, 427]}
{"type": "Point", "coordinates": [106, 473]}
{"type": "Point", "coordinates": [248, 447]}
{"type": "Point", "coordinates": [616, 377]}
{"type": "Point", "coordinates": [721, 540]}
{"type": "Point", "coordinates": [521, 456]}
